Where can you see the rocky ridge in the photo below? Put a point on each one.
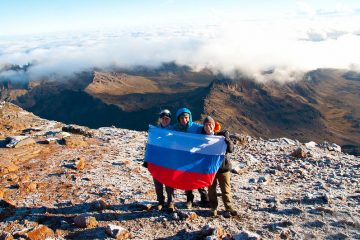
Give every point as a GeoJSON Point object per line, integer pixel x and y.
{"type": "Point", "coordinates": [306, 109]}
{"type": "Point", "coordinates": [71, 182]}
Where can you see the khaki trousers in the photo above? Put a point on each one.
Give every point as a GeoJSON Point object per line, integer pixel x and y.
{"type": "Point", "coordinates": [224, 182]}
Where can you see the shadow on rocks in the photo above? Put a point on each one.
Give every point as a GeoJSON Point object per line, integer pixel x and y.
{"type": "Point", "coordinates": [314, 224]}
{"type": "Point", "coordinates": [94, 233]}
{"type": "Point", "coordinates": [3, 143]}
{"type": "Point", "coordinates": [287, 211]}
{"type": "Point", "coordinates": [62, 215]}
{"type": "Point", "coordinates": [278, 225]}
{"type": "Point", "coordinates": [339, 236]}
{"type": "Point", "coordinates": [183, 234]}
{"type": "Point", "coordinates": [320, 199]}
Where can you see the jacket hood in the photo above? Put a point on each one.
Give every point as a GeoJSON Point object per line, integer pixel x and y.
{"type": "Point", "coordinates": [181, 111]}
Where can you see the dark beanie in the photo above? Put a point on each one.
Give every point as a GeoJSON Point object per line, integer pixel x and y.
{"type": "Point", "coordinates": [165, 112]}
{"type": "Point", "coordinates": [209, 119]}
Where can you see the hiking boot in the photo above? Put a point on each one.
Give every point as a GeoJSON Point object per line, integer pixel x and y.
{"type": "Point", "coordinates": [214, 213]}
{"type": "Point", "coordinates": [171, 207]}
{"type": "Point", "coordinates": [159, 207]}
{"type": "Point", "coordinates": [189, 205]}
{"type": "Point", "coordinates": [229, 213]}
{"type": "Point", "coordinates": [232, 211]}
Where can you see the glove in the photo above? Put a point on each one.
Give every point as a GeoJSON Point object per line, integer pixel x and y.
{"type": "Point", "coordinates": [227, 136]}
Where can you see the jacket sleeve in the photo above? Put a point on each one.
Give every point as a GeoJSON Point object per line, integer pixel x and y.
{"type": "Point", "coordinates": [229, 143]}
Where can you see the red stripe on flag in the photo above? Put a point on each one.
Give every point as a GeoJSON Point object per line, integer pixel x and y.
{"type": "Point", "coordinates": [180, 179]}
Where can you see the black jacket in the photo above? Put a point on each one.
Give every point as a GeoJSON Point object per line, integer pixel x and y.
{"type": "Point", "coordinates": [226, 165]}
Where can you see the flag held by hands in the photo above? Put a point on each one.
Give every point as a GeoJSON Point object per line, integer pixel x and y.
{"type": "Point", "coordinates": [184, 160]}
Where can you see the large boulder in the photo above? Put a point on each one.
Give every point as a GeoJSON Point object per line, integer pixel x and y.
{"type": "Point", "coordinates": [78, 130]}
{"type": "Point", "coordinates": [330, 147]}
{"type": "Point", "coordinates": [19, 141]}
{"type": "Point", "coordinates": [210, 232]}
{"type": "Point", "coordinates": [85, 221]}
{"type": "Point", "coordinates": [117, 232]}
{"type": "Point", "coordinates": [40, 233]}
{"type": "Point", "coordinates": [298, 153]}
{"type": "Point", "coordinates": [75, 141]}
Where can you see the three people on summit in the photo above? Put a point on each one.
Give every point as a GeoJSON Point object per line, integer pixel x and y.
{"type": "Point", "coordinates": [185, 124]}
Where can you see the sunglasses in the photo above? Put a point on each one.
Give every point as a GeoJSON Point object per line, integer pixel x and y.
{"type": "Point", "coordinates": [165, 115]}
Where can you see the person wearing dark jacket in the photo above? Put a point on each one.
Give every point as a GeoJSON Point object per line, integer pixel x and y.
{"type": "Point", "coordinates": [164, 122]}
{"type": "Point", "coordinates": [223, 174]}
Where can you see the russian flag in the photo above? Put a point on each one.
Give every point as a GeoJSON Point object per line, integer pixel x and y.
{"type": "Point", "coordinates": [184, 160]}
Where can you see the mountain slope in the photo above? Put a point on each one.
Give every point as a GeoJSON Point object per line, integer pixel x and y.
{"type": "Point", "coordinates": [322, 106]}
{"type": "Point", "coordinates": [308, 109]}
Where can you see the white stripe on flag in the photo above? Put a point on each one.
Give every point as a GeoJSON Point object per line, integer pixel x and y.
{"type": "Point", "coordinates": [189, 142]}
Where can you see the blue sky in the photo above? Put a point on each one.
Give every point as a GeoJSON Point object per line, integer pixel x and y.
{"type": "Point", "coordinates": [287, 36]}
{"type": "Point", "coordinates": [41, 16]}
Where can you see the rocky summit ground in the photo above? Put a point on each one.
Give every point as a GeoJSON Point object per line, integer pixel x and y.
{"type": "Point", "coordinates": [68, 182]}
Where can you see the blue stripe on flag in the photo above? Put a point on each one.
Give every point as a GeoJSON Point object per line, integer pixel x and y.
{"type": "Point", "coordinates": [183, 160]}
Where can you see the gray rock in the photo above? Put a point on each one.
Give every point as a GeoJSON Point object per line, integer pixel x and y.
{"type": "Point", "coordinates": [311, 144]}
{"type": "Point", "coordinates": [212, 232]}
{"type": "Point", "coordinates": [288, 141]}
{"type": "Point", "coordinates": [246, 235]}
{"type": "Point", "coordinates": [19, 141]}
{"type": "Point", "coordinates": [52, 140]}
{"type": "Point", "coordinates": [78, 130]}
{"type": "Point", "coordinates": [334, 147]}
{"type": "Point", "coordinates": [100, 204]}
{"type": "Point", "coordinates": [331, 147]}
{"type": "Point", "coordinates": [264, 180]}
{"type": "Point", "coordinates": [252, 180]}
{"type": "Point", "coordinates": [298, 153]}
{"type": "Point", "coordinates": [85, 221]}
{"type": "Point", "coordinates": [65, 134]}
{"type": "Point", "coordinates": [239, 167]}
{"type": "Point", "coordinates": [117, 232]}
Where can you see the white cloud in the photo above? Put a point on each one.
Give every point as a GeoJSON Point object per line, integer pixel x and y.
{"type": "Point", "coordinates": [305, 8]}
{"type": "Point", "coordinates": [287, 46]}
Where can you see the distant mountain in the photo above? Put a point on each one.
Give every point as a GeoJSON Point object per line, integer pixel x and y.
{"type": "Point", "coordinates": [123, 99]}
{"type": "Point", "coordinates": [323, 106]}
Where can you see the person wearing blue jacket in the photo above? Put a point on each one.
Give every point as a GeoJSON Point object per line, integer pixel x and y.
{"type": "Point", "coordinates": [185, 124]}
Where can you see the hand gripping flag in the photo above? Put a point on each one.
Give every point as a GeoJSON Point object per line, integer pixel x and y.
{"type": "Point", "coordinates": [184, 160]}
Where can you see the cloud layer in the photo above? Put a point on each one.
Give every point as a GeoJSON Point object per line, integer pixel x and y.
{"type": "Point", "coordinates": [284, 47]}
